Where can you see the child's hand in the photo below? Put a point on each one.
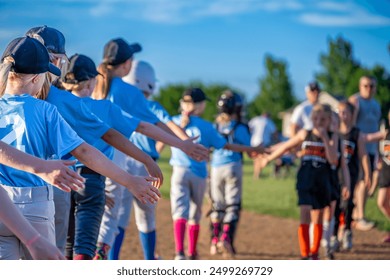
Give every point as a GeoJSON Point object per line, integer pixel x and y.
{"type": "Point", "coordinates": [345, 193]}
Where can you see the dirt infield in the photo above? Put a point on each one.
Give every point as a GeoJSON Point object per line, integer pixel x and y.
{"type": "Point", "coordinates": [259, 237]}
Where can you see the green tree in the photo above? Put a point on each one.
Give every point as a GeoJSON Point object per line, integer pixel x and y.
{"type": "Point", "coordinates": [383, 88]}
{"type": "Point", "coordinates": [275, 91]}
{"type": "Point", "coordinates": [340, 71]}
{"type": "Point", "coordinates": [170, 95]}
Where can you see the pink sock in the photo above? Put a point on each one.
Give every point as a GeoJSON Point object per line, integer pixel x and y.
{"type": "Point", "coordinates": [193, 233]}
{"type": "Point", "coordinates": [225, 234]}
{"type": "Point", "coordinates": [216, 229]}
{"type": "Point", "coordinates": [179, 228]}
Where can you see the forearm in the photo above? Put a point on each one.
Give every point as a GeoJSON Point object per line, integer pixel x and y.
{"type": "Point", "coordinates": [14, 158]}
{"type": "Point", "coordinates": [121, 143]}
{"type": "Point", "coordinates": [97, 161]}
{"type": "Point", "coordinates": [238, 148]}
{"type": "Point", "coordinates": [331, 149]}
{"type": "Point", "coordinates": [164, 127]}
{"type": "Point", "coordinates": [160, 135]}
{"type": "Point", "coordinates": [366, 165]}
{"type": "Point", "coordinates": [179, 132]}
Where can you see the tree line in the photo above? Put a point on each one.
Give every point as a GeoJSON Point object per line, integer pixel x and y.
{"type": "Point", "coordinates": [338, 75]}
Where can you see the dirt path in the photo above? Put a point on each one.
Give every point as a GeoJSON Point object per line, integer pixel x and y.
{"type": "Point", "coordinates": [259, 237]}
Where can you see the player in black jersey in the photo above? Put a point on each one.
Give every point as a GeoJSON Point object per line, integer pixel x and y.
{"type": "Point", "coordinates": [318, 151]}
{"type": "Point", "coordinates": [354, 153]}
{"type": "Point", "coordinates": [384, 173]}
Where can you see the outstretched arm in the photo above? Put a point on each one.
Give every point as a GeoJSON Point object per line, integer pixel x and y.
{"type": "Point", "coordinates": [54, 172]}
{"type": "Point", "coordinates": [121, 143]}
{"type": "Point", "coordinates": [141, 187]}
{"type": "Point", "coordinates": [196, 151]}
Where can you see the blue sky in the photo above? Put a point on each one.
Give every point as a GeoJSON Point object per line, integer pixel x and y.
{"type": "Point", "coordinates": [212, 40]}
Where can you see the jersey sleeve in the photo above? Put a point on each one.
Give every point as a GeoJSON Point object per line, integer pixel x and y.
{"type": "Point", "coordinates": [160, 112]}
{"type": "Point", "coordinates": [89, 126]}
{"type": "Point", "coordinates": [62, 139]}
{"type": "Point", "coordinates": [122, 121]}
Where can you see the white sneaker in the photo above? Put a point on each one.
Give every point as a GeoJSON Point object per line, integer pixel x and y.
{"type": "Point", "coordinates": [334, 244]}
{"type": "Point", "coordinates": [347, 240]}
{"type": "Point", "coordinates": [180, 257]}
{"type": "Point", "coordinates": [364, 225]}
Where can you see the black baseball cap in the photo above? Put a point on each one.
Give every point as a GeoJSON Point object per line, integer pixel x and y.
{"type": "Point", "coordinates": [314, 86]}
{"type": "Point", "coordinates": [30, 56]}
{"type": "Point", "coordinates": [53, 39]}
{"type": "Point", "coordinates": [194, 95]}
{"type": "Point", "coordinates": [81, 68]}
{"type": "Point", "coordinates": [118, 51]}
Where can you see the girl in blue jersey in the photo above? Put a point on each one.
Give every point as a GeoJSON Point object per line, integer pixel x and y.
{"type": "Point", "coordinates": [36, 127]}
{"type": "Point", "coordinates": [89, 127]}
{"type": "Point", "coordinates": [117, 61]}
{"type": "Point", "coordinates": [226, 175]}
{"type": "Point", "coordinates": [80, 79]}
{"type": "Point", "coordinates": [318, 150]}
{"type": "Point", "coordinates": [188, 181]}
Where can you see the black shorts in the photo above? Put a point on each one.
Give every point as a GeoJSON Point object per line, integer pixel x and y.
{"type": "Point", "coordinates": [372, 162]}
{"type": "Point", "coordinates": [313, 185]}
{"type": "Point", "coordinates": [384, 176]}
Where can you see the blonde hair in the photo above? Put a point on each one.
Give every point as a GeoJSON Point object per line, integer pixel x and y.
{"type": "Point", "coordinates": [103, 82]}
{"type": "Point", "coordinates": [5, 69]}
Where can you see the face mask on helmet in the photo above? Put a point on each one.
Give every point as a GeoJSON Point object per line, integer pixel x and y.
{"type": "Point", "coordinates": [229, 103]}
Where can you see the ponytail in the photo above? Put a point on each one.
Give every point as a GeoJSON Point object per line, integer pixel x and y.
{"type": "Point", "coordinates": [5, 68]}
{"type": "Point", "coordinates": [103, 82]}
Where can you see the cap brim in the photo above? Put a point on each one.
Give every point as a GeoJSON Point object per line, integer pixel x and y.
{"type": "Point", "coordinates": [135, 47]}
{"type": "Point", "coordinates": [54, 70]}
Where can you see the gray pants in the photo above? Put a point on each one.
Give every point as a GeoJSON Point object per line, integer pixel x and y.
{"type": "Point", "coordinates": [61, 217]}
{"type": "Point", "coordinates": [226, 192]}
{"type": "Point", "coordinates": [187, 193]}
{"type": "Point", "coordinates": [36, 205]}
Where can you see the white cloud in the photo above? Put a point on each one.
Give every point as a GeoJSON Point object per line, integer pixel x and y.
{"type": "Point", "coordinates": [353, 19]}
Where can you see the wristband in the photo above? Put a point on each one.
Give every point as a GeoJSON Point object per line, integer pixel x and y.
{"type": "Point", "coordinates": [32, 240]}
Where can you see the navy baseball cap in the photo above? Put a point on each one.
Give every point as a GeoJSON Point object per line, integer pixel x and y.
{"type": "Point", "coordinates": [118, 51]}
{"type": "Point", "coordinates": [53, 39]}
{"type": "Point", "coordinates": [81, 68]}
{"type": "Point", "coordinates": [314, 86]}
{"type": "Point", "coordinates": [30, 56]}
{"type": "Point", "coordinates": [194, 95]}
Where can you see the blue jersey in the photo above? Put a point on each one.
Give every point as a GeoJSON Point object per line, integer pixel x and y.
{"type": "Point", "coordinates": [234, 134]}
{"type": "Point", "coordinates": [145, 143]}
{"type": "Point", "coordinates": [77, 115]}
{"type": "Point", "coordinates": [131, 100]}
{"type": "Point", "coordinates": [208, 137]}
{"type": "Point", "coordinates": [112, 115]}
{"type": "Point", "coordinates": [35, 127]}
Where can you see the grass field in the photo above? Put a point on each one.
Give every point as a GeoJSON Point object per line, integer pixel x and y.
{"type": "Point", "coordinates": [269, 195]}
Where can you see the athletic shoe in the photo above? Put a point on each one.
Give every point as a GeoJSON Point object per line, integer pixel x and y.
{"type": "Point", "coordinates": [347, 240]}
{"type": "Point", "coordinates": [101, 252]}
{"type": "Point", "coordinates": [226, 249]}
{"type": "Point", "coordinates": [364, 225]}
{"type": "Point", "coordinates": [324, 243]}
{"type": "Point", "coordinates": [314, 257]}
{"type": "Point", "coordinates": [193, 257]}
{"type": "Point", "coordinates": [334, 244]}
{"type": "Point", "coordinates": [213, 249]}
{"type": "Point", "coordinates": [180, 256]}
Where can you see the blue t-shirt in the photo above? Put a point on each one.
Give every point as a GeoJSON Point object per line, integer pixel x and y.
{"type": "Point", "coordinates": [131, 100]}
{"type": "Point", "coordinates": [35, 127]}
{"type": "Point", "coordinates": [146, 144]}
{"type": "Point", "coordinates": [112, 115]}
{"type": "Point", "coordinates": [240, 135]}
{"type": "Point", "coordinates": [208, 137]}
{"type": "Point", "coordinates": [77, 115]}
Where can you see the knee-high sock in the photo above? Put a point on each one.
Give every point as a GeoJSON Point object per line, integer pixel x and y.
{"type": "Point", "coordinates": [304, 239]}
{"type": "Point", "coordinates": [193, 234]}
{"type": "Point", "coordinates": [316, 239]}
{"type": "Point", "coordinates": [215, 232]}
{"type": "Point", "coordinates": [179, 228]}
{"type": "Point", "coordinates": [116, 247]}
{"type": "Point", "coordinates": [148, 242]}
